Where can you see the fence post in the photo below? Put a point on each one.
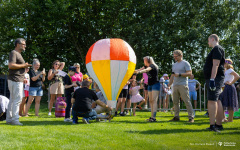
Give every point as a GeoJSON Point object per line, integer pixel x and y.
{"type": "Point", "coordinates": [200, 96]}
{"type": "Point", "coordinates": [204, 96]}
{"type": "Point", "coordinates": [5, 86]}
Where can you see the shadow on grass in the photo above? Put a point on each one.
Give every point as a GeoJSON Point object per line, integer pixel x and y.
{"type": "Point", "coordinates": [46, 123]}
{"type": "Point", "coordinates": [231, 133]}
{"type": "Point", "coordinates": [170, 131]}
{"type": "Point", "coordinates": [143, 120]}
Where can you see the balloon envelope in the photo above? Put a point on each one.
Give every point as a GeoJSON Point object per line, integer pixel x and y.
{"type": "Point", "coordinates": [111, 63]}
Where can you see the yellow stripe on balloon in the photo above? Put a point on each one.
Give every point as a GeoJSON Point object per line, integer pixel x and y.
{"type": "Point", "coordinates": [129, 73]}
{"type": "Point", "coordinates": [102, 71]}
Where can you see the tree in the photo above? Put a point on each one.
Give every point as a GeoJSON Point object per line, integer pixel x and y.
{"type": "Point", "coordinates": [65, 29]}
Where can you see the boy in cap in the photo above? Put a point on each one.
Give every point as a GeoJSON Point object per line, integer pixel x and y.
{"type": "Point", "coordinates": [69, 89]}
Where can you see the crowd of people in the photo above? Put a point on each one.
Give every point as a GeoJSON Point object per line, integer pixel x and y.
{"type": "Point", "coordinates": [89, 104]}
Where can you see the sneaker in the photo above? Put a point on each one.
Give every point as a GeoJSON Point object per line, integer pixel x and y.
{"type": "Point", "coordinates": [74, 122]}
{"type": "Point", "coordinates": [219, 127]}
{"type": "Point", "coordinates": [175, 119]}
{"type": "Point", "coordinates": [49, 113]}
{"type": "Point", "coordinates": [17, 123]}
{"type": "Point", "coordinates": [191, 120]}
{"type": "Point", "coordinates": [152, 120]}
{"type": "Point", "coordinates": [213, 128]}
{"type": "Point", "coordinates": [126, 113]}
{"type": "Point", "coordinates": [145, 107]}
{"type": "Point", "coordinates": [67, 120]}
{"type": "Point", "coordinates": [149, 119]}
{"type": "Point", "coordinates": [122, 114]}
{"type": "Point", "coordinates": [98, 120]}
{"type": "Point", "coordinates": [85, 121]}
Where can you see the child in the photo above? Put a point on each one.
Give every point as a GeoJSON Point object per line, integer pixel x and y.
{"type": "Point", "coordinates": [122, 99]}
{"type": "Point", "coordinates": [229, 95]}
{"type": "Point", "coordinates": [162, 95]}
{"type": "Point", "coordinates": [26, 92]}
{"type": "Point", "coordinates": [86, 77]}
{"type": "Point", "coordinates": [69, 89]}
{"type": "Point", "coordinates": [136, 97]}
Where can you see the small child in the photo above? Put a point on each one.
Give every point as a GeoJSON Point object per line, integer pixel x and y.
{"type": "Point", "coordinates": [229, 95]}
{"type": "Point", "coordinates": [162, 95]}
{"type": "Point", "coordinates": [26, 92]}
{"type": "Point", "coordinates": [86, 77]}
{"type": "Point", "coordinates": [136, 97]}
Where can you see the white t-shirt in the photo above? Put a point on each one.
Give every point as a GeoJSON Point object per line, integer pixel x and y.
{"type": "Point", "coordinates": [228, 76]}
{"type": "Point", "coordinates": [126, 86]}
{"type": "Point", "coordinates": [26, 86]}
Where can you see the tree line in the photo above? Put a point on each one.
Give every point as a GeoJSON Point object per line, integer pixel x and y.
{"type": "Point", "coordinates": [65, 29]}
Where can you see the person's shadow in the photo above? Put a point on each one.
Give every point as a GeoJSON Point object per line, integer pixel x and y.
{"type": "Point", "coordinates": [170, 131]}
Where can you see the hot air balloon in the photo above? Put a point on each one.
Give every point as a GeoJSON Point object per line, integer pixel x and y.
{"type": "Point", "coordinates": [111, 63]}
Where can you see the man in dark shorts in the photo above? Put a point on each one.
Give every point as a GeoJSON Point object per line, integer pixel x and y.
{"type": "Point", "coordinates": [214, 75]}
{"type": "Point", "coordinates": [82, 104]}
{"type": "Point", "coordinates": [16, 76]}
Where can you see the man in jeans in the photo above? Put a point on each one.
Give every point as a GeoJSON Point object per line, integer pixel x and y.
{"type": "Point", "coordinates": [16, 67]}
{"type": "Point", "coordinates": [180, 71]}
{"type": "Point", "coordinates": [82, 104]}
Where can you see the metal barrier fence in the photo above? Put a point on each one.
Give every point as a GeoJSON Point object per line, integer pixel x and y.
{"type": "Point", "coordinates": [4, 91]}
{"type": "Point", "coordinates": [199, 99]}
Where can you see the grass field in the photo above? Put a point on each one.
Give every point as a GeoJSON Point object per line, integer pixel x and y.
{"type": "Point", "coordinates": [128, 132]}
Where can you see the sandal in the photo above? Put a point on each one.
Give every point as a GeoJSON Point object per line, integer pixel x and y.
{"type": "Point", "coordinates": [139, 107]}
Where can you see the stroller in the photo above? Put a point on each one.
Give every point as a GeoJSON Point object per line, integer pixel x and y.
{"type": "Point", "coordinates": [3, 107]}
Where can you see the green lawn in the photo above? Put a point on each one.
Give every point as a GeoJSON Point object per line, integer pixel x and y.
{"type": "Point", "coordinates": [129, 132]}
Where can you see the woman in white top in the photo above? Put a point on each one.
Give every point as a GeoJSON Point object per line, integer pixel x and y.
{"type": "Point", "coordinates": [228, 97]}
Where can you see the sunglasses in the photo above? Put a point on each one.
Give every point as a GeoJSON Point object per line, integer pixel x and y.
{"type": "Point", "coordinates": [57, 64]}
{"type": "Point", "coordinates": [228, 62]}
{"type": "Point", "coordinates": [175, 56]}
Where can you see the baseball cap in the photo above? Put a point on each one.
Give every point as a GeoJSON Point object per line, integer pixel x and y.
{"type": "Point", "coordinates": [72, 68]}
{"type": "Point", "coordinates": [85, 76]}
{"type": "Point", "coordinates": [165, 75]}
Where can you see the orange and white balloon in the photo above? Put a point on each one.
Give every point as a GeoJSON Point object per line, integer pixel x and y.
{"type": "Point", "coordinates": [111, 63]}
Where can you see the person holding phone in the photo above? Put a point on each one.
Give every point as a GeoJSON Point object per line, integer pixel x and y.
{"type": "Point", "coordinates": [35, 89]}
{"type": "Point", "coordinates": [56, 83]}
